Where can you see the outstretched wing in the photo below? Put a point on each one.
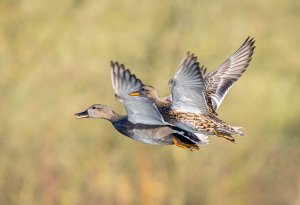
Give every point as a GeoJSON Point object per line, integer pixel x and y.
{"type": "Point", "coordinates": [219, 81]}
{"type": "Point", "coordinates": [140, 109]}
{"type": "Point", "coordinates": [187, 87]}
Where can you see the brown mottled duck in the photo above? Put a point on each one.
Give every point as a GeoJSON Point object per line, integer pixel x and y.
{"type": "Point", "coordinates": [196, 96]}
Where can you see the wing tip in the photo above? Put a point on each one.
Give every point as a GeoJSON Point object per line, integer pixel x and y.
{"type": "Point", "coordinates": [249, 42]}
{"type": "Point", "coordinates": [122, 78]}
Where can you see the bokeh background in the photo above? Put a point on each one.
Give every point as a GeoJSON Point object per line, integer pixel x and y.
{"type": "Point", "coordinates": [54, 61]}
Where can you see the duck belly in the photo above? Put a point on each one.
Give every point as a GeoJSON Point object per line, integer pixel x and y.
{"type": "Point", "coordinates": [154, 136]}
{"type": "Point", "coordinates": [148, 134]}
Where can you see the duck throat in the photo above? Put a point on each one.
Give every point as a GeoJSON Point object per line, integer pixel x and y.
{"type": "Point", "coordinates": [113, 116]}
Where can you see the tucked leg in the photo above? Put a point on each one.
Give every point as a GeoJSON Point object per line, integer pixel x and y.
{"type": "Point", "coordinates": [183, 145]}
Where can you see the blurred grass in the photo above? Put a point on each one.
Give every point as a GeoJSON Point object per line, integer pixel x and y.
{"type": "Point", "coordinates": [54, 61]}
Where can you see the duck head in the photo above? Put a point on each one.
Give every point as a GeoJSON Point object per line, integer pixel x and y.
{"type": "Point", "coordinates": [147, 91]}
{"type": "Point", "coordinates": [97, 111]}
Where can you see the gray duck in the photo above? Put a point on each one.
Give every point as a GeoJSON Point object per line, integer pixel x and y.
{"type": "Point", "coordinates": [143, 123]}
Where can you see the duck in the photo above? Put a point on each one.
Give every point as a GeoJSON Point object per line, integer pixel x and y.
{"type": "Point", "coordinates": [196, 96]}
{"type": "Point", "coordinates": [143, 122]}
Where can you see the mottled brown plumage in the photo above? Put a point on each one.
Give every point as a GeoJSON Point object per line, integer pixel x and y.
{"type": "Point", "coordinates": [197, 95]}
{"type": "Point", "coordinates": [201, 123]}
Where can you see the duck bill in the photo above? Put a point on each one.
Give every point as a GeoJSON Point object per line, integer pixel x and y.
{"type": "Point", "coordinates": [83, 114]}
{"type": "Point", "coordinates": [136, 93]}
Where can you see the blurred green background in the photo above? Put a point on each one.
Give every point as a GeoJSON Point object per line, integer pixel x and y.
{"type": "Point", "coordinates": [54, 61]}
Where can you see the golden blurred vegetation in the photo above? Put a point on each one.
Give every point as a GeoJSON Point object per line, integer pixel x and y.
{"type": "Point", "coordinates": [54, 61]}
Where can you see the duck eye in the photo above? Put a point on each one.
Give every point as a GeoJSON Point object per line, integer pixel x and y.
{"type": "Point", "coordinates": [93, 107]}
{"type": "Point", "coordinates": [143, 89]}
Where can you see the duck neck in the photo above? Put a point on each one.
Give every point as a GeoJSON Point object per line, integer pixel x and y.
{"type": "Point", "coordinates": [161, 102]}
{"type": "Point", "coordinates": [113, 116]}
